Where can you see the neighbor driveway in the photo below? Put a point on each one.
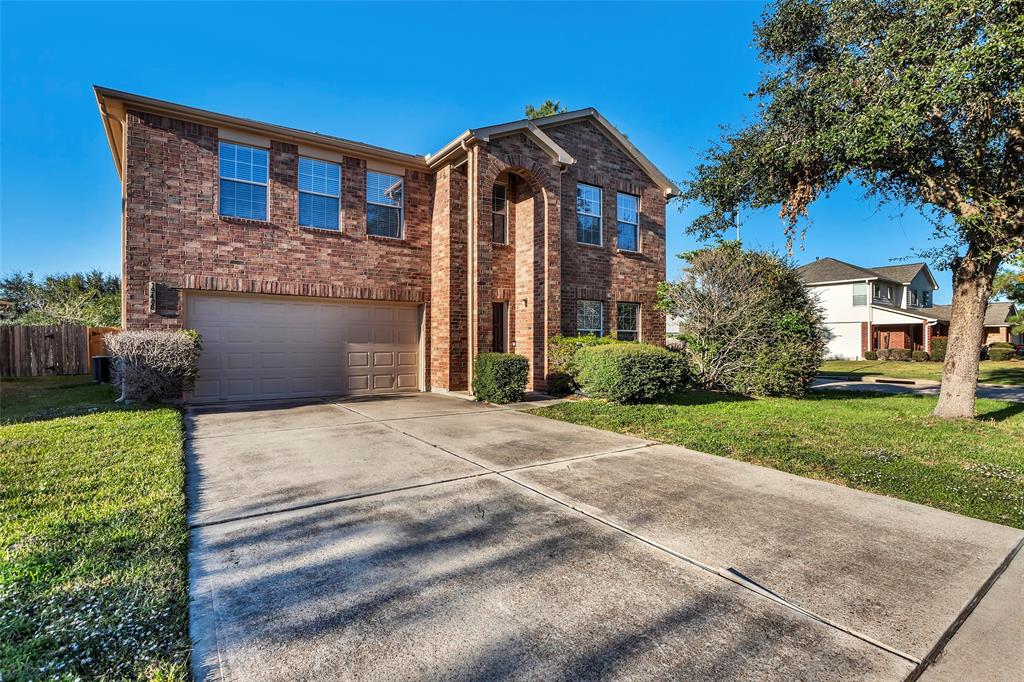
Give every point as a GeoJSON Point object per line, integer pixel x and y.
{"type": "Point", "coordinates": [428, 537]}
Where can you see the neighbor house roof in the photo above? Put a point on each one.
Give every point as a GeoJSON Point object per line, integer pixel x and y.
{"type": "Point", "coordinates": [995, 314]}
{"type": "Point", "coordinates": [114, 103]}
{"type": "Point", "coordinates": [826, 270]}
{"type": "Point", "coordinates": [833, 270]}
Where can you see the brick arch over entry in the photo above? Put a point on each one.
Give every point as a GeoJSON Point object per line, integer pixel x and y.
{"type": "Point", "coordinates": [525, 274]}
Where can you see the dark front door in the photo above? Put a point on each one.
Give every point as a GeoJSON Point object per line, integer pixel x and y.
{"type": "Point", "coordinates": [499, 326]}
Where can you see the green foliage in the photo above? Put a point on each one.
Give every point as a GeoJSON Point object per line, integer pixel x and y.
{"type": "Point", "coordinates": [938, 346]}
{"type": "Point", "coordinates": [882, 353]}
{"type": "Point", "coordinates": [921, 356]}
{"type": "Point", "coordinates": [1003, 344]}
{"type": "Point", "coordinates": [86, 298]}
{"type": "Point", "coordinates": [500, 377]}
{"type": "Point", "coordinates": [871, 355]}
{"type": "Point", "coordinates": [751, 326]}
{"type": "Point", "coordinates": [1009, 281]}
{"type": "Point", "coordinates": [900, 354]}
{"type": "Point", "coordinates": [1017, 323]}
{"type": "Point", "coordinates": [629, 372]}
{"type": "Point", "coordinates": [549, 108]}
{"type": "Point", "coordinates": [1000, 354]}
{"type": "Point", "coordinates": [562, 352]}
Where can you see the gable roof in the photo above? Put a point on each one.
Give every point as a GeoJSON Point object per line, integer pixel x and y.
{"type": "Point", "coordinates": [825, 270]}
{"type": "Point", "coordinates": [833, 270]}
{"type": "Point", "coordinates": [113, 104]}
{"type": "Point", "coordinates": [904, 273]}
{"type": "Point", "coordinates": [534, 128]}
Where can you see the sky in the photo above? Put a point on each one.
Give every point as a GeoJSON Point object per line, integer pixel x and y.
{"type": "Point", "coordinates": [409, 77]}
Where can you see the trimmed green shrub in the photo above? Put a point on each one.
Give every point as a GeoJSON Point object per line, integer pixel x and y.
{"type": "Point", "coordinates": [500, 377]}
{"type": "Point", "coordinates": [901, 354]}
{"type": "Point", "coordinates": [1002, 344]}
{"type": "Point", "coordinates": [785, 369]}
{"type": "Point", "coordinates": [921, 356]}
{"type": "Point", "coordinates": [629, 372]}
{"type": "Point", "coordinates": [938, 345]}
{"type": "Point", "coordinates": [883, 354]}
{"type": "Point", "coordinates": [1000, 354]}
{"type": "Point", "coordinates": [562, 352]}
{"type": "Point", "coordinates": [871, 355]}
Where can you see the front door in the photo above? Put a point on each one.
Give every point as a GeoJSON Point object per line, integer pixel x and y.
{"type": "Point", "coordinates": [499, 327]}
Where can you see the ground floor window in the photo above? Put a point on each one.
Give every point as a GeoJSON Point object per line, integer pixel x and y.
{"type": "Point", "coordinates": [628, 321]}
{"type": "Point", "coordinates": [589, 318]}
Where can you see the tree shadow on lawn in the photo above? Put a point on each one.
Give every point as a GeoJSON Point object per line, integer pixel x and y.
{"type": "Point", "coordinates": [1008, 376]}
{"type": "Point", "coordinates": [37, 399]}
{"type": "Point", "coordinates": [987, 409]}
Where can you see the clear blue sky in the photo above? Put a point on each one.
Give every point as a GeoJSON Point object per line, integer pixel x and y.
{"type": "Point", "coordinates": [405, 76]}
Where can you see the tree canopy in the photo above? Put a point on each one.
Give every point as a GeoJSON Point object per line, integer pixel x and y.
{"type": "Point", "coordinates": [920, 102]}
{"type": "Point", "coordinates": [549, 108]}
{"type": "Point", "coordinates": [86, 298]}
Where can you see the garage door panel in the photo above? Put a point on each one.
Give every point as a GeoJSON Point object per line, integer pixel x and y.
{"type": "Point", "coordinates": [261, 348]}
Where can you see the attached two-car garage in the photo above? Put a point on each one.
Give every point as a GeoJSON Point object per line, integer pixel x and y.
{"type": "Point", "coordinates": [273, 347]}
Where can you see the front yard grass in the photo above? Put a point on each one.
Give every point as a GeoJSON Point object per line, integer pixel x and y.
{"type": "Point", "coordinates": [93, 579]}
{"type": "Point", "coordinates": [881, 443]}
{"type": "Point", "coordinates": [1009, 372]}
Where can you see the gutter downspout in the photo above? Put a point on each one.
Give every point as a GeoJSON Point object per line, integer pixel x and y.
{"type": "Point", "coordinates": [871, 315]}
{"type": "Point", "coordinates": [471, 249]}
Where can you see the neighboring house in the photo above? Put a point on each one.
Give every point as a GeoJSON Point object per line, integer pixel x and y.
{"type": "Point", "coordinates": [873, 308]}
{"type": "Point", "coordinates": [997, 325]}
{"type": "Point", "coordinates": [314, 265]}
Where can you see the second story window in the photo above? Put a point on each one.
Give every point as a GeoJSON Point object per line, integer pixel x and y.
{"type": "Point", "coordinates": [589, 318]}
{"type": "Point", "coordinates": [243, 181]}
{"type": "Point", "coordinates": [499, 215]}
{"type": "Point", "coordinates": [588, 214]}
{"type": "Point", "coordinates": [913, 297]}
{"type": "Point", "coordinates": [926, 299]}
{"type": "Point", "coordinates": [860, 294]}
{"type": "Point", "coordinates": [319, 193]}
{"type": "Point", "coordinates": [883, 292]}
{"type": "Point", "coordinates": [628, 226]}
{"type": "Point", "coordinates": [383, 204]}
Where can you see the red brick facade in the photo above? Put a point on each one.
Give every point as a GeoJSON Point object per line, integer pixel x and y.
{"type": "Point", "coordinates": [174, 240]}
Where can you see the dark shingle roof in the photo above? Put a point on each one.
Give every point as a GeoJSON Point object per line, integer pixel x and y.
{"type": "Point", "coordinates": [832, 270]}
{"type": "Point", "coordinates": [995, 315]}
{"type": "Point", "coordinates": [899, 273]}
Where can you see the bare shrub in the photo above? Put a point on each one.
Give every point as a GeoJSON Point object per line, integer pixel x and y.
{"type": "Point", "coordinates": [154, 365]}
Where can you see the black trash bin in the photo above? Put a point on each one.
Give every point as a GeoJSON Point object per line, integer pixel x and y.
{"type": "Point", "coordinates": [101, 369]}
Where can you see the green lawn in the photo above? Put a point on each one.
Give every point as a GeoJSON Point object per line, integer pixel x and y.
{"type": "Point", "coordinates": [991, 371]}
{"type": "Point", "coordinates": [872, 441]}
{"type": "Point", "coordinates": [93, 580]}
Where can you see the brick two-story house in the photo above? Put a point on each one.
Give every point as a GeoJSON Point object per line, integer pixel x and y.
{"type": "Point", "coordinates": [314, 265]}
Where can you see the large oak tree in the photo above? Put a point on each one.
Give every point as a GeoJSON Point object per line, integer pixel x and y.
{"type": "Point", "coordinates": [919, 101]}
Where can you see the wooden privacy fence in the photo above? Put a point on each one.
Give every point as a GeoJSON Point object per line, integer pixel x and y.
{"type": "Point", "coordinates": [38, 350]}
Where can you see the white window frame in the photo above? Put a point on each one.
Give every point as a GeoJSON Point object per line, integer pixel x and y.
{"type": "Point", "coordinates": [618, 328]}
{"type": "Point", "coordinates": [319, 194]}
{"type": "Point", "coordinates": [857, 285]}
{"type": "Point", "coordinates": [585, 331]}
{"type": "Point", "coordinates": [599, 216]}
{"type": "Point", "coordinates": [914, 298]}
{"type": "Point", "coordinates": [636, 225]}
{"type": "Point", "coordinates": [266, 208]}
{"type": "Point", "coordinates": [400, 207]}
{"type": "Point", "coordinates": [502, 212]}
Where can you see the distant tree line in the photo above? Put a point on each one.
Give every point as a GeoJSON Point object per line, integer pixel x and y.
{"type": "Point", "coordinates": [86, 298]}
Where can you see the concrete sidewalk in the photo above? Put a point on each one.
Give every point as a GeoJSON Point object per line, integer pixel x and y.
{"type": "Point", "coordinates": [914, 387]}
{"type": "Point", "coordinates": [424, 536]}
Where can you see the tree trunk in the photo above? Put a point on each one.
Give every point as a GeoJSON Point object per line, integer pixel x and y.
{"type": "Point", "coordinates": [972, 286]}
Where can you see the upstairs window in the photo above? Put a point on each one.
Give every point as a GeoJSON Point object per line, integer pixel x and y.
{"type": "Point", "coordinates": [588, 214]}
{"type": "Point", "coordinates": [590, 318]}
{"type": "Point", "coordinates": [627, 227]}
{"type": "Point", "coordinates": [499, 215]}
{"type": "Point", "coordinates": [926, 299]}
{"type": "Point", "coordinates": [913, 297]}
{"type": "Point", "coordinates": [860, 294]}
{"type": "Point", "coordinates": [627, 325]}
{"type": "Point", "coordinates": [243, 181]}
{"type": "Point", "coordinates": [383, 204]}
{"type": "Point", "coordinates": [319, 193]}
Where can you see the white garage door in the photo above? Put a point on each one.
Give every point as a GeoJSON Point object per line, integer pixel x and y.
{"type": "Point", "coordinates": [259, 347]}
{"type": "Point", "coordinates": [844, 340]}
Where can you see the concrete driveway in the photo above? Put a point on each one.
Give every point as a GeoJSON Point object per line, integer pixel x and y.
{"type": "Point", "coordinates": [1010, 393]}
{"type": "Point", "coordinates": [427, 537]}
